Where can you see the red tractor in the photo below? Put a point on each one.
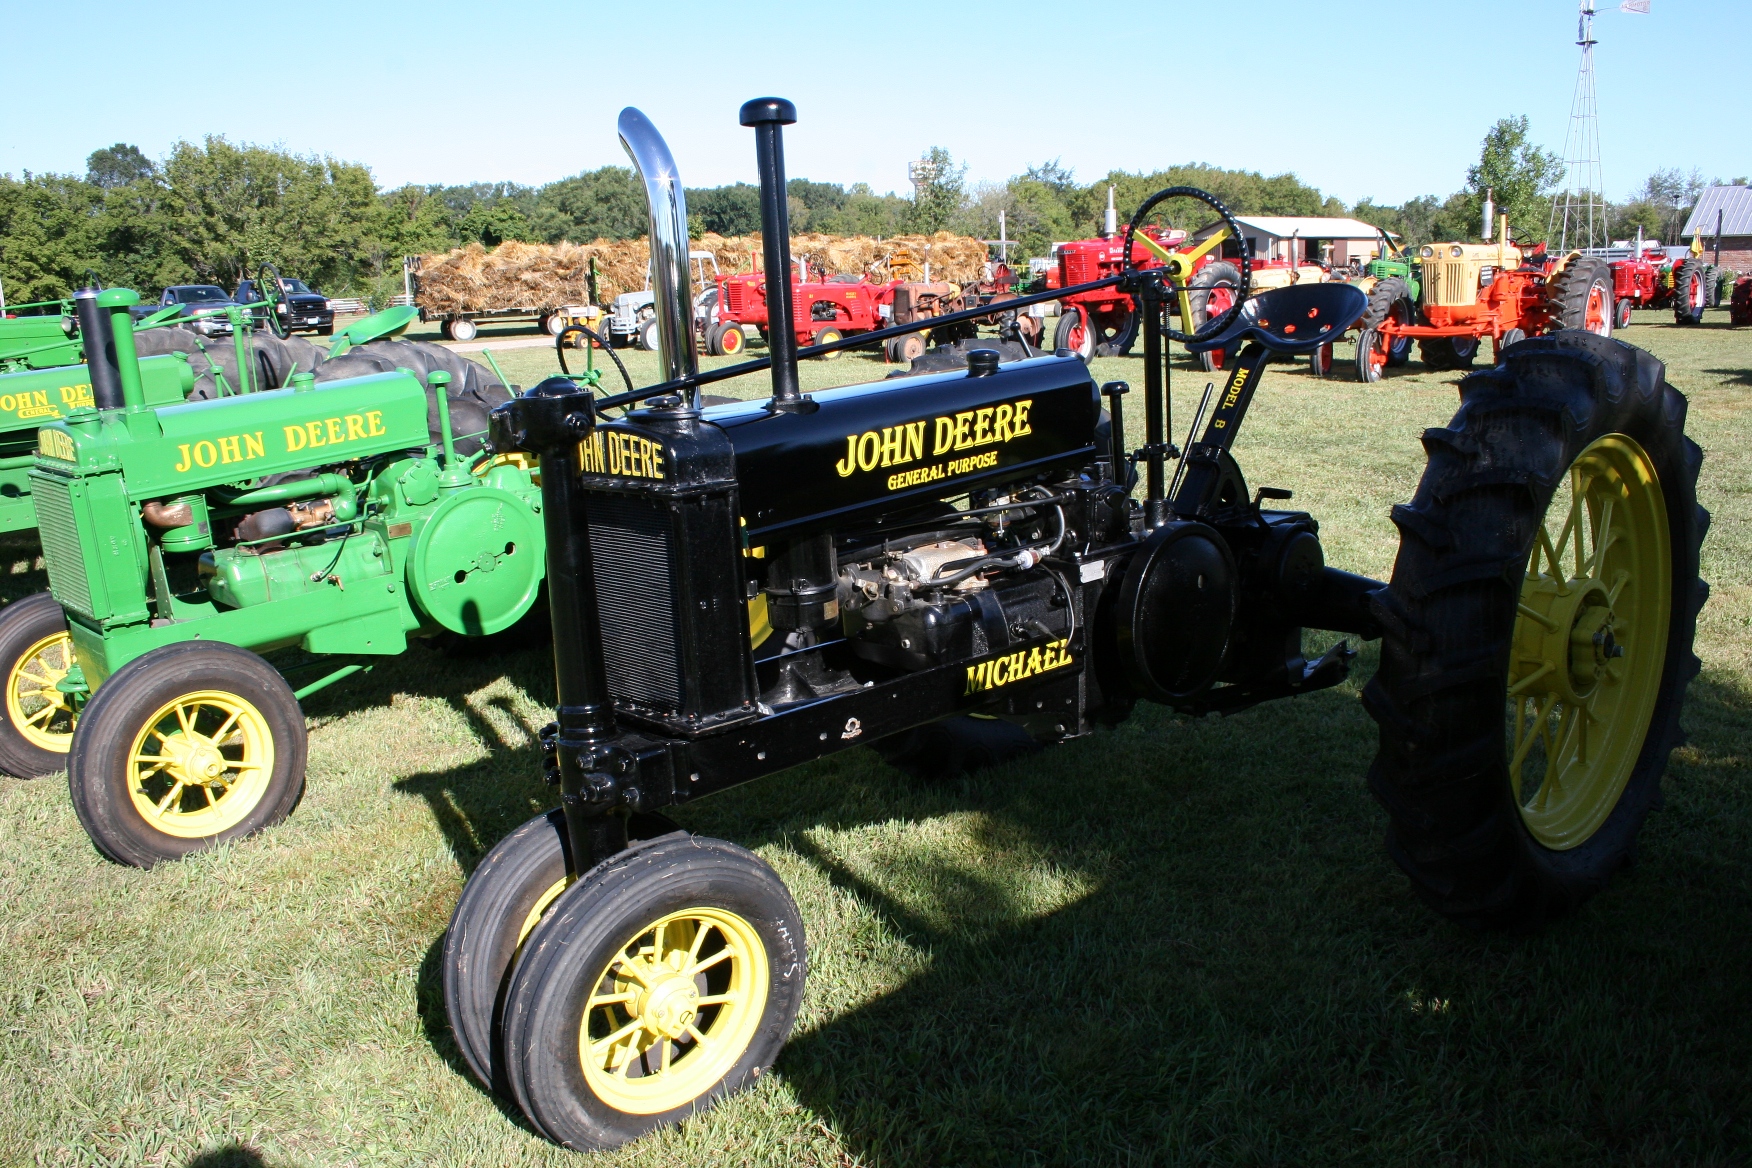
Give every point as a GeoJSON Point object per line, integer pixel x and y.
{"type": "Point", "coordinates": [822, 312]}
{"type": "Point", "coordinates": [1740, 305]}
{"type": "Point", "coordinates": [1636, 281]}
{"type": "Point", "coordinates": [1104, 322]}
{"type": "Point", "coordinates": [1470, 291]}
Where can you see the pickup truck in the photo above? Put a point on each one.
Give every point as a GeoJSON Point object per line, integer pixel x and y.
{"type": "Point", "coordinates": [308, 310]}
{"type": "Point", "coordinates": [195, 298]}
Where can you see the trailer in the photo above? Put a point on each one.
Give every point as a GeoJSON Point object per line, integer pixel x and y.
{"type": "Point", "coordinates": [462, 326]}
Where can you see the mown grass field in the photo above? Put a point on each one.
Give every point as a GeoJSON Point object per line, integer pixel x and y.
{"type": "Point", "coordinates": [1176, 943]}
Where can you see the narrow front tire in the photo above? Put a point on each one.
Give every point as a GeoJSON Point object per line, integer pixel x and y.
{"type": "Point", "coordinates": [185, 747]}
{"type": "Point", "coordinates": [663, 980]}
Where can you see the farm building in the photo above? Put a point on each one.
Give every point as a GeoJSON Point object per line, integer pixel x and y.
{"type": "Point", "coordinates": [1311, 237]}
{"type": "Point", "coordinates": [1731, 207]}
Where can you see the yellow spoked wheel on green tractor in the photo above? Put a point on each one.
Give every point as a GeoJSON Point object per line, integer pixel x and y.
{"type": "Point", "coordinates": [44, 689]}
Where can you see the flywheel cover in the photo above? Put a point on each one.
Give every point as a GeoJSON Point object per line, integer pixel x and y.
{"type": "Point", "coordinates": [478, 562]}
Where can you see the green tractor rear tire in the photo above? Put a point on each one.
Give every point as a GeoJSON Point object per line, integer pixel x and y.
{"type": "Point", "coordinates": [1538, 639]}
{"type": "Point", "coordinates": [184, 747]}
{"type": "Point", "coordinates": [37, 653]}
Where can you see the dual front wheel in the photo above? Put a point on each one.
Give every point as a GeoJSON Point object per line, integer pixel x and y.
{"type": "Point", "coordinates": [628, 997]}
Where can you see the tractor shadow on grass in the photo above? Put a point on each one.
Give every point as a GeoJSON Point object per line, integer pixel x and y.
{"type": "Point", "coordinates": [1250, 980]}
{"type": "Point", "coordinates": [21, 566]}
{"type": "Point", "coordinates": [1182, 941]}
{"type": "Point", "coordinates": [1733, 376]}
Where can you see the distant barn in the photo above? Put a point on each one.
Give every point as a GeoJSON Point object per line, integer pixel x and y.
{"type": "Point", "coordinates": [1731, 208]}
{"type": "Point", "coordinates": [1311, 238]}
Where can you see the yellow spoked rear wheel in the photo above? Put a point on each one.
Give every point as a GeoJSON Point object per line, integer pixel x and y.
{"type": "Point", "coordinates": [1590, 643]}
{"type": "Point", "coordinates": [200, 764]}
{"type": "Point", "coordinates": [40, 712]}
{"type": "Point", "coordinates": [673, 1011]}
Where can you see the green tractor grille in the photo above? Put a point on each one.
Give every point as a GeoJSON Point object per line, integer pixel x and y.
{"type": "Point", "coordinates": [61, 549]}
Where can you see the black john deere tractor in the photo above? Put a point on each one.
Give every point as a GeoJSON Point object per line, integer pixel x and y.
{"type": "Point", "coordinates": [740, 589]}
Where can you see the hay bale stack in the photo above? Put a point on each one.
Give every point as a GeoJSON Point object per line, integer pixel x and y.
{"type": "Point", "coordinates": [538, 275]}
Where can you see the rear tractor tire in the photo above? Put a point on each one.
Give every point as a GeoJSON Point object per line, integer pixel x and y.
{"type": "Point", "coordinates": [663, 980]}
{"type": "Point", "coordinates": [1581, 296]}
{"type": "Point", "coordinates": [1211, 293]}
{"type": "Point", "coordinates": [1690, 292]}
{"type": "Point", "coordinates": [185, 747]}
{"type": "Point", "coordinates": [37, 652]}
{"type": "Point", "coordinates": [1391, 300]}
{"type": "Point", "coordinates": [1538, 639]}
{"type": "Point", "coordinates": [1448, 352]}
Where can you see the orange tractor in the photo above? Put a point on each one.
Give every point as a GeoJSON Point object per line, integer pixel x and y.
{"type": "Point", "coordinates": [1475, 290]}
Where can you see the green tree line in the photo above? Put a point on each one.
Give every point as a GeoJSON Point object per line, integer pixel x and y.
{"type": "Point", "coordinates": [212, 211]}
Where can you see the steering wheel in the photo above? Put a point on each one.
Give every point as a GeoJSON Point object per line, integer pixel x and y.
{"type": "Point", "coordinates": [276, 320]}
{"type": "Point", "coordinates": [1179, 264]}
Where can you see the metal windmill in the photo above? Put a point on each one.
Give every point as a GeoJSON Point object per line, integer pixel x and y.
{"type": "Point", "coordinates": [1578, 214]}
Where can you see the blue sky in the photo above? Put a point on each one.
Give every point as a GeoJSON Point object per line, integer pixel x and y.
{"type": "Point", "coordinates": [1362, 98]}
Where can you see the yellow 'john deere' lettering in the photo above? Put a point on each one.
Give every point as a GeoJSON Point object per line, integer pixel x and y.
{"type": "Point", "coordinates": [56, 444]}
{"type": "Point", "coordinates": [334, 431]}
{"type": "Point", "coordinates": [219, 452]}
{"type": "Point", "coordinates": [617, 452]}
{"type": "Point", "coordinates": [1014, 667]}
{"type": "Point", "coordinates": [32, 403]}
{"type": "Point", "coordinates": [899, 445]}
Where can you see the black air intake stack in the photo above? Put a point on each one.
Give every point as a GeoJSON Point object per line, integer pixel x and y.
{"type": "Point", "coordinates": [97, 335]}
{"type": "Point", "coordinates": [766, 115]}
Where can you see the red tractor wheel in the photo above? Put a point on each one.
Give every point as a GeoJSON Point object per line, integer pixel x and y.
{"type": "Point", "coordinates": [1114, 332]}
{"type": "Point", "coordinates": [1320, 361]}
{"type": "Point", "coordinates": [1373, 351]}
{"type": "Point", "coordinates": [1690, 292]}
{"type": "Point", "coordinates": [1621, 315]}
{"type": "Point", "coordinates": [730, 339]}
{"type": "Point", "coordinates": [1581, 296]}
{"type": "Point", "coordinates": [1074, 333]}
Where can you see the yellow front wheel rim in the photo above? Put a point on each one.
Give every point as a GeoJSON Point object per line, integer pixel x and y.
{"type": "Point", "coordinates": [1590, 643]}
{"type": "Point", "coordinates": [673, 1011]}
{"type": "Point", "coordinates": [41, 713]}
{"type": "Point", "coordinates": [200, 764]}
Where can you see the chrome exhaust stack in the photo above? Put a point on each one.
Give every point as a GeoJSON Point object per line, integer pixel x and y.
{"type": "Point", "coordinates": [671, 282]}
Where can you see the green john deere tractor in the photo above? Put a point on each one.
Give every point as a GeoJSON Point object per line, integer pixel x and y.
{"type": "Point", "coordinates": [213, 562]}
{"type": "Point", "coordinates": [37, 336]}
{"type": "Point", "coordinates": [51, 380]}
{"type": "Point", "coordinates": [1394, 282]}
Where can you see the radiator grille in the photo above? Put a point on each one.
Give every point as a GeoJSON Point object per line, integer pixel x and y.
{"type": "Point", "coordinates": [630, 541]}
{"type": "Point", "coordinates": [60, 539]}
{"type": "Point", "coordinates": [735, 295]}
{"type": "Point", "coordinates": [1451, 285]}
{"type": "Point", "coordinates": [1080, 267]}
